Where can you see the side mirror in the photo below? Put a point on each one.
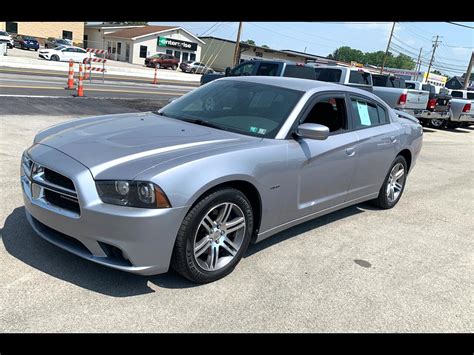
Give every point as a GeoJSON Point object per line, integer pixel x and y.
{"type": "Point", "coordinates": [313, 131]}
{"type": "Point", "coordinates": [227, 71]}
{"type": "Point", "coordinates": [172, 99]}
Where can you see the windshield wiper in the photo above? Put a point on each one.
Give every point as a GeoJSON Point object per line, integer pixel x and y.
{"type": "Point", "coordinates": [203, 123]}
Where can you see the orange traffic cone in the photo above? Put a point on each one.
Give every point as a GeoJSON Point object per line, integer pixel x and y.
{"type": "Point", "coordinates": [80, 89]}
{"type": "Point", "coordinates": [70, 78]}
{"type": "Point", "coordinates": [155, 80]}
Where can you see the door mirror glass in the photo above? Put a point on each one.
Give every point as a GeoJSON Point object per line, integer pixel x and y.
{"type": "Point", "coordinates": [313, 131]}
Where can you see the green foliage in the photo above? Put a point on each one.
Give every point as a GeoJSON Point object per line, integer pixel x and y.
{"type": "Point", "coordinates": [265, 46]}
{"type": "Point", "coordinates": [348, 54]}
{"type": "Point", "coordinates": [250, 42]}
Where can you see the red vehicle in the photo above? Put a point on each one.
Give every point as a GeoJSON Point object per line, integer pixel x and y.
{"type": "Point", "coordinates": [162, 61]}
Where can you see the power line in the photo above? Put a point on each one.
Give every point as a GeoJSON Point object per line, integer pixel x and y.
{"type": "Point", "coordinates": [459, 24]}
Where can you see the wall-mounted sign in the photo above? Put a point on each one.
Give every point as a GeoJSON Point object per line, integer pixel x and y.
{"type": "Point", "coordinates": [168, 42]}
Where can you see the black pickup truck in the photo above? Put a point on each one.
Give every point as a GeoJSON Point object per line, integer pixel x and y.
{"type": "Point", "coordinates": [266, 68]}
{"type": "Point", "coordinates": [437, 113]}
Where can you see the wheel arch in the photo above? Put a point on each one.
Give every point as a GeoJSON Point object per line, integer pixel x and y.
{"type": "Point", "coordinates": [408, 157]}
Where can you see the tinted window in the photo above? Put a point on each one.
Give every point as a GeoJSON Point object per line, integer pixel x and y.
{"type": "Point", "coordinates": [456, 93]}
{"type": "Point", "coordinates": [359, 77]}
{"type": "Point", "coordinates": [383, 116]}
{"type": "Point", "coordinates": [329, 111]}
{"type": "Point", "coordinates": [2, 33]}
{"type": "Point", "coordinates": [299, 71]}
{"type": "Point", "coordinates": [243, 69]}
{"type": "Point", "coordinates": [329, 75]}
{"type": "Point", "coordinates": [408, 85]}
{"type": "Point", "coordinates": [243, 107]}
{"type": "Point", "coordinates": [267, 69]}
{"type": "Point", "coordinates": [380, 80]}
{"type": "Point", "coordinates": [470, 95]}
{"type": "Point", "coordinates": [365, 114]}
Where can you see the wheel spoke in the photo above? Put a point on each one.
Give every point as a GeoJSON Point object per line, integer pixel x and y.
{"type": "Point", "coordinates": [202, 246]}
{"type": "Point", "coordinates": [213, 258]}
{"type": "Point", "coordinates": [235, 225]}
{"type": "Point", "coordinates": [228, 245]}
{"type": "Point", "coordinates": [392, 194]}
{"type": "Point", "coordinates": [399, 174]}
{"type": "Point", "coordinates": [224, 213]}
{"type": "Point", "coordinates": [398, 186]}
{"type": "Point", "coordinates": [208, 224]}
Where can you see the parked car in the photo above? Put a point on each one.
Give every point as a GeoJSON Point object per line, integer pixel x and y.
{"type": "Point", "coordinates": [394, 92]}
{"type": "Point", "coordinates": [25, 42]}
{"type": "Point", "coordinates": [195, 67]}
{"type": "Point", "coordinates": [355, 77]}
{"type": "Point", "coordinates": [462, 108]}
{"type": "Point", "coordinates": [438, 110]}
{"type": "Point", "coordinates": [65, 53]}
{"type": "Point", "coordinates": [264, 68]}
{"type": "Point", "coordinates": [192, 184]}
{"type": "Point", "coordinates": [52, 42]}
{"type": "Point", "coordinates": [5, 37]}
{"type": "Point", "coordinates": [162, 61]}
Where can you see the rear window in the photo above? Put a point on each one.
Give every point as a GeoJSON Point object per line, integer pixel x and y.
{"type": "Point", "coordinates": [329, 75]}
{"type": "Point", "coordinates": [470, 95]}
{"type": "Point", "coordinates": [408, 85]}
{"type": "Point", "coordinates": [456, 93]}
{"type": "Point", "coordinates": [380, 80]}
{"type": "Point", "coordinates": [360, 77]}
{"type": "Point", "coordinates": [299, 71]}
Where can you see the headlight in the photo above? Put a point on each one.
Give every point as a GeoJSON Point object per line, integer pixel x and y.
{"type": "Point", "coordinates": [25, 164]}
{"type": "Point", "coordinates": [132, 194]}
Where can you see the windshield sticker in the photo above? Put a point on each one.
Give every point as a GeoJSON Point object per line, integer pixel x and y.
{"type": "Point", "coordinates": [253, 129]}
{"type": "Point", "coordinates": [363, 113]}
{"type": "Point", "coordinates": [262, 131]}
{"type": "Point", "coordinates": [257, 130]}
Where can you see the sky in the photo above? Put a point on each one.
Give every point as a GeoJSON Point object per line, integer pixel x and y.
{"type": "Point", "coordinates": [321, 38]}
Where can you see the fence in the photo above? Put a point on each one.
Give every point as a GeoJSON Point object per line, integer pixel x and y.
{"type": "Point", "coordinates": [88, 62]}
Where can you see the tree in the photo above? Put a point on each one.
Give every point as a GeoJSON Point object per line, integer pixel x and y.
{"type": "Point", "coordinates": [265, 46]}
{"type": "Point", "coordinates": [250, 42]}
{"type": "Point", "coordinates": [347, 54]}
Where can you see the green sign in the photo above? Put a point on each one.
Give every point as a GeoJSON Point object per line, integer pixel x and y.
{"type": "Point", "coordinates": [162, 41]}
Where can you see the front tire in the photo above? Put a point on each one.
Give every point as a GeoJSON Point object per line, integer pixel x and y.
{"type": "Point", "coordinates": [393, 185]}
{"type": "Point", "coordinates": [55, 58]}
{"type": "Point", "coordinates": [157, 66]}
{"type": "Point", "coordinates": [174, 67]}
{"type": "Point", "coordinates": [214, 236]}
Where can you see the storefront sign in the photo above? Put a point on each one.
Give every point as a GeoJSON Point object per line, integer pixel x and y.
{"type": "Point", "coordinates": [168, 42]}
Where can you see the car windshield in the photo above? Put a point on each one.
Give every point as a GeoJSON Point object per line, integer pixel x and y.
{"type": "Point", "coordinates": [2, 33]}
{"type": "Point", "coordinates": [242, 107]}
{"type": "Point", "coordinates": [29, 38]}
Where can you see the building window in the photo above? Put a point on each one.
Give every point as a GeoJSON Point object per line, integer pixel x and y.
{"type": "Point", "coordinates": [177, 54]}
{"type": "Point", "coordinates": [185, 56]}
{"type": "Point", "coordinates": [119, 47]}
{"type": "Point", "coordinates": [169, 52]}
{"type": "Point", "coordinates": [67, 35]}
{"type": "Point", "coordinates": [143, 50]}
{"type": "Point", "coordinates": [11, 27]}
{"type": "Point", "coordinates": [192, 56]}
{"type": "Point", "coordinates": [86, 38]}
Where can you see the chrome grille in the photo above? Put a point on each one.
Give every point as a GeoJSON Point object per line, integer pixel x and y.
{"type": "Point", "coordinates": [50, 189]}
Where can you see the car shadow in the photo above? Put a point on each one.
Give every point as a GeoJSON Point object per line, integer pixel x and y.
{"type": "Point", "coordinates": [24, 244]}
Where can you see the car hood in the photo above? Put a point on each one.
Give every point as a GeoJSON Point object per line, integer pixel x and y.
{"type": "Point", "coordinates": [122, 146]}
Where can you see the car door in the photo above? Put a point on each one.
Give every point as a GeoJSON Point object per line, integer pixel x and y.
{"type": "Point", "coordinates": [322, 168]}
{"type": "Point", "coordinates": [376, 146]}
{"type": "Point", "coordinates": [67, 54]}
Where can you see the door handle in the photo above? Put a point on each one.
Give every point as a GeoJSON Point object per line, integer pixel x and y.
{"type": "Point", "coordinates": [350, 151]}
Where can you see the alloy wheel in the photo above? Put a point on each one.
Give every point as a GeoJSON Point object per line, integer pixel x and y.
{"type": "Point", "coordinates": [219, 236]}
{"type": "Point", "coordinates": [436, 123]}
{"type": "Point", "coordinates": [395, 182]}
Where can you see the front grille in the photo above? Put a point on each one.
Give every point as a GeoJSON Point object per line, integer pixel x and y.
{"type": "Point", "coordinates": [62, 200]}
{"type": "Point", "coordinates": [58, 179]}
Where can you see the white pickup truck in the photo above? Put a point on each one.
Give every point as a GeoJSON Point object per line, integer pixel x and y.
{"type": "Point", "coordinates": [355, 77]}
{"type": "Point", "coordinates": [462, 108]}
{"type": "Point", "coordinates": [394, 92]}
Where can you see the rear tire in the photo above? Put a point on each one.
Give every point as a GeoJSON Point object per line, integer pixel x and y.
{"type": "Point", "coordinates": [174, 67]}
{"type": "Point", "coordinates": [390, 193]}
{"type": "Point", "coordinates": [437, 123]}
{"type": "Point", "coordinates": [157, 66]}
{"type": "Point", "coordinates": [204, 260]}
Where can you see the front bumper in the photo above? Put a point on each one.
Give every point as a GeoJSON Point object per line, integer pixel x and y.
{"type": "Point", "coordinates": [44, 56]}
{"type": "Point", "coordinates": [145, 237]}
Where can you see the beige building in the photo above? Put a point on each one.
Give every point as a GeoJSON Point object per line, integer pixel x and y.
{"type": "Point", "coordinates": [218, 53]}
{"type": "Point", "coordinates": [42, 30]}
{"type": "Point", "coordinates": [134, 43]}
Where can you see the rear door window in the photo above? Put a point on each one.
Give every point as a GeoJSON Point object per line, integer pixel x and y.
{"type": "Point", "coordinates": [299, 71]}
{"type": "Point", "coordinates": [470, 95]}
{"type": "Point", "coordinates": [456, 93]}
{"type": "Point", "coordinates": [328, 75]}
{"type": "Point", "coordinates": [268, 69]}
{"type": "Point", "coordinates": [360, 77]}
{"type": "Point", "coordinates": [365, 114]}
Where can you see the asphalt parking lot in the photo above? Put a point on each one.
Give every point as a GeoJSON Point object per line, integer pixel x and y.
{"type": "Point", "coordinates": [408, 269]}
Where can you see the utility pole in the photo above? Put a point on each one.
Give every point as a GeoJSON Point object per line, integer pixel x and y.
{"type": "Point", "coordinates": [435, 45]}
{"type": "Point", "coordinates": [237, 44]}
{"type": "Point", "coordinates": [388, 47]}
{"type": "Point", "coordinates": [468, 72]}
{"type": "Point", "coordinates": [418, 64]}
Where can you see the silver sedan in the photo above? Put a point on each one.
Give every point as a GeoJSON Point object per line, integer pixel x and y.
{"type": "Point", "coordinates": [230, 163]}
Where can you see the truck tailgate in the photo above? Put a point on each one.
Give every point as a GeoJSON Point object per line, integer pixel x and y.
{"type": "Point", "coordinates": [417, 99]}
